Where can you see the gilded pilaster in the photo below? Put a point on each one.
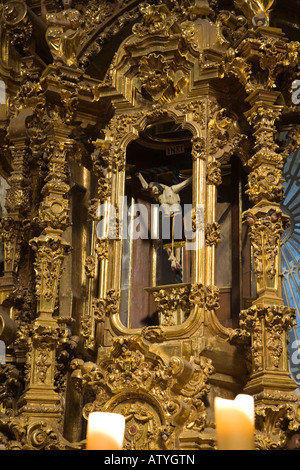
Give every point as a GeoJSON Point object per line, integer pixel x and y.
{"type": "Point", "coordinates": [17, 203]}
{"type": "Point", "coordinates": [268, 321]}
{"type": "Point", "coordinates": [50, 248]}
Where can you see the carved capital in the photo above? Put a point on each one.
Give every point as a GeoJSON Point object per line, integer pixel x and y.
{"type": "Point", "coordinates": [276, 425]}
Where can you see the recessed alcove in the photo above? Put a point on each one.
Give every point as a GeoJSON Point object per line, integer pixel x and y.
{"type": "Point", "coordinates": [162, 155]}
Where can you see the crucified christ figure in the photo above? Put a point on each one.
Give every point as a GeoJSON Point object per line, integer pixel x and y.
{"type": "Point", "coordinates": [163, 194]}
{"type": "Point", "coordinates": [168, 197]}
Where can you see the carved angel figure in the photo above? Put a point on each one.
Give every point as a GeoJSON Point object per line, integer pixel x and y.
{"type": "Point", "coordinates": [257, 11]}
{"type": "Point", "coordinates": [64, 33]}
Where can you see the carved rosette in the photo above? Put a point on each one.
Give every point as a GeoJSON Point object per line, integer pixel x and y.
{"type": "Point", "coordinates": [265, 182]}
{"type": "Point", "coordinates": [154, 395]}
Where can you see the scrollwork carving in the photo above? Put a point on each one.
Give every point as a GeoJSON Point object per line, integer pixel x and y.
{"type": "Point", "coordinates": [130, 368]}
{"type": "Point", "coordinates": [267, 326]}
{"type": "Point", "coordinates": [156, 20]}
{"type": "Point", "coordinates": [212, 234]}
{"type": "Point", "coordinates": [173, 306]}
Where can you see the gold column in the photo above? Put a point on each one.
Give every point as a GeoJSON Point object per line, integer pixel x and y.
{"type": "Point", "coordinates": [268, 320]}
{"type": "Point", "coordinates": [41, 400]}
{"type": "Point", "coordinates": [199, 205]}
{"type": "Point", "coordinates": [12, 225]}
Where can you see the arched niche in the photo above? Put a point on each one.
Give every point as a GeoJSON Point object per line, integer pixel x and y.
{"type": "Point", "coordinates": [164, 148]}
{"type": "Point", "coordinates": [154, 254]}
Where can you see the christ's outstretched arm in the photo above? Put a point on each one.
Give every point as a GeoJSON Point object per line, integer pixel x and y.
{"type": "Point", "coordinates": [143, 181]}
{"type": "Point", "coordinates": [178, 187]}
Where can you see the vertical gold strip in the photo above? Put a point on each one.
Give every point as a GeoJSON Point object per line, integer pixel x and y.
{"type": "Point", "coordinates": [199, 174]}
{"type": "Point", "coordinates": [210, 250]}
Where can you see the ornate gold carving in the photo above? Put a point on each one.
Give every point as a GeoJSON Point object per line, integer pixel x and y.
{"type": "Point", "coordinates": [265, 182]}
{"type": "Point", "coordinates": [63, 34]}
{"type": "Point", "coordinates": [38, 435]}
{"type": "Point", "coordinates": [155, 75]}
{"type": "Point", "coordinates": [267, 326]}
{"type": "Point", "coordinates": [17, 198]}
{"type": "Point", "coordinates": [198, 148]}
{"type": "Point", "coordinates": [212, 234]}
{"type": "Point", "coordinates": [197, 295]}
{"type": "Point", "coordinates": [220, 136]}
{"type": "Point", "coordinates": [156, 20]}
{"type": "Point", "coordinates": [214, 173]}
{"type": "Point", "coordinates": [90, 266]}
{"type": "Point", "coordinates": [102, 247]}
{"type": "Point", "coordinates": [257, 11]}
{"type": "Point", "coordinates": [128, 378]}
{"type": "Point", "coordinates": [54, 210]}
{"type": "Point", "coordinates": [10, 236]}
{"type": "Point", "coordinates": [173, 306]}
{"type": "Point", "coordinates": [154, 334]}
{"type": "Point", "coordinates": [19, 27]}
{"type": "Point", "coordinates": [51, 251]}
{"type": "Point", "coordinates": [275, 425]}
{"type": "Point", "coordinates": [265, 230]}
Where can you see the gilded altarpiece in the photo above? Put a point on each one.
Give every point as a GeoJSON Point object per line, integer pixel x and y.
{"type": "Point", "coordinates": [188, 94]}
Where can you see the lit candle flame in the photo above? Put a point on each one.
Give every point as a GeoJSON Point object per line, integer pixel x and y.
{"type": "Point", "coordinates": [105, 431]}
{"type": "Point", "coordinates": [235, 423]}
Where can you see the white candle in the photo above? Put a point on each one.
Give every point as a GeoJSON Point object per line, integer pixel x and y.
{"type": "Point", "coordinates": [105, 431]}
{"type": "Point", "coordinates": [235, 423]}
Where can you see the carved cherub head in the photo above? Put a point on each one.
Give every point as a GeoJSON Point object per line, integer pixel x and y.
{"type": "Point", "coordinates": [249, 218]}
